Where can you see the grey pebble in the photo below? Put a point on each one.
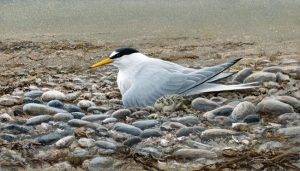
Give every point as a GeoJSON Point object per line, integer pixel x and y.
{"type": "Point", "coordinates": [49, 138]}
{"type": "Point", "coordinates": [82, 123]}
{"type": "Point", "coordinates": [189, 130]}
{"type": "Point", "coordinates": [56, 103]}
{"type": "Point", "coordinates": [53, 95]}
{"type": "Point", "coordinates": [274, 69]}
{"type": "Point", "coordinates": [144, 124]}
{"type": "Point", "coordinates": [39, 109]}
{"type": "Point", "coordinates": [187, 153]}
{"type": "Point", "coordinates": [33, 94]}
{"type": "Point", "coordinates": [109, 120]}
{"type": "Point", "coordinates": [204, 105]}
{"type": "Point", "coordinates": [95, 117]}
{"type": "Point", "coordinates": [186, 120]}
{"type": "Point", "coordinates": [139, 114]}
{"type": "Point", "coordinates": [72, 108]}
{"type": "Point", "coordinates": [132, 141]}
{"type": "Point", "coordinates": [106, 145]}
{"type": "Point", "coordinates": [253, 118]}
{"type": "Point", "coordinates": [16, 129]}
{"type": "Point", "coordinates": [150, 152]}
{"type": "Point", "coordinates": [151, 133]}
{"type": "Point", "coordinates": [260, 77]}
{"type": "Point", "coordinates": [63, 116]}
{"type": "Point", "coordinates": [241, 75]}
{"type": "Point", "coordinates": [65, 141]}
{"type": "Point", "coordinates": [273, 107]}
{"type": "Point", "coordinates": [169, 126]}
{"type": "Point", "coordinates": [86, 142]}
{"type": "Point", "coordinates": [290, 131]}
{"type": "Point", "coordinates": [270, 146]}
{"type": "Point", "coordinates": [8, 137]}
{"type": "Point", "coordinates": [121, 114]}
{"type": "Point", "coordinates": [129, 129]}
{"type": "Point", "coordinates": [39, 119]}
{"type": "Point", "coordinates": [85, 104]}
{"type": "Point", "coordinates": [289, 117]}
{"type": "Point", "coordinates": [99, 163]}
{"type": "Point", "coordinates": [217, 132]}
{"type": "Point", "coordinates": [78, 115]}
{"type": "Point", "coordinates": [242, 110]}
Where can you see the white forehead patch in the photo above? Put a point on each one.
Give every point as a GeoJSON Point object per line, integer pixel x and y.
{"type": "Point", "coordinates": [113, 53]}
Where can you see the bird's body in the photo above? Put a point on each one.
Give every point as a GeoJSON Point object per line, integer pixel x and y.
{"type": "Point", "coordinates": [142, 79]}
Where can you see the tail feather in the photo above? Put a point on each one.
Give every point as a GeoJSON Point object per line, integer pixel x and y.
{"type": "Point", "coordinates": [211, 87]}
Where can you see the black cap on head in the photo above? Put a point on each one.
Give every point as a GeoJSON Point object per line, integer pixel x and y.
{"type": "Point", "coordinates": [123, 51]}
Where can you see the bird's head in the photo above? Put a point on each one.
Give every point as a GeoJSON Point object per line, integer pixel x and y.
{"type": "Point", "coordinates": [120, 57]}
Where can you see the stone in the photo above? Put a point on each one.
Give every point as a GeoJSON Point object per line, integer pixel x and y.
{"type": "Point", "coordinates": [187, 153]}
{"type": "Point", "coordinates": [39, 109]}
{"type": "Point", "coordinates": [16, 129]}
{"type": "Point", "coordinates": [150, 151]}
{"type": "Point", "coordinates": [82, 123]}
{"type": "Point", "coordinates": [53, 95]}
{"type": "Point", "coordinates": [39, 119]}
{"type": "Point", "coordinates": [290, 131]}
{"type": "Point", "coordinates": [217, 132]}
{"type": "Point", "coordinates": [144, 124]}
{"type": "Point", "coordinates": [72, 108]}
{"type": "Point", "coordinates": [169, 126]}
{"type": "Point", "coordinates": [139, 114]}
{"type": "Point", "coordinates": [274, 69]}
{"type": "Point", "coordinates": [222, 111]}
{"type": "Point", "coordinates": [121, 114]}
{"type": "Point", "coordinates": [78, 115]}
{"type": "Point", "coordinates": [260, 77]}
{"type": "Point", "coordinates": [49, 138]}
{"type": "Point", "coordinates": [241, 75]}
{"type": "Point", "coordinates": [99, 163]}
{"type": "Point", "coordinates": [132, 141]}
{"type": "Point", "coordinates": [189, 130]}
{"type": "Point", "coordinates": [97, 117]}
{"type": "Point", "coordinates": [33, 94]}
{"type": "Point", "coordinates": [242, 110]}
{"type": "Point", "coordinates": [106, 145]}
{"type": "Point", "coordinates": [254, 118]}
{"type": "Point", "coordinates": [63, 117]}
{"type": "Point", "coordinates": [291, 101]}
{"type": "Point", "coordinates": [65, 142]}
{"type": "Point", "coordinates": [289, 117]}
{"type": "Point", "coordinates": [109, 120]}
{"type": "Point", "coordinates": [282, 77]}
{"type": "Point", "coordinates": [186, 120]}
{"type": "Point", "coordinates": [273, 107]}
{"type": "Point", "coordinates": [129, 129]}
{"type": "Point", "coordinates": [204, 105]}
{"type": "Point", "coordinates": [151, 133]}
{"type": "Point", "coordinates": [56, 104]}
{"type": "Point", "coordinates": [8, 137]}
{"type": "Point", "coordinates": [270, 146]}
{"type": "Point", "coordinates": [85, 104]}
{"type": "Point", "coordinates": [86, 142]}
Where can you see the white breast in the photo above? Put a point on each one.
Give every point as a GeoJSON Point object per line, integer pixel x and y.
{"type": "Point", "coordinates": [124, 83]}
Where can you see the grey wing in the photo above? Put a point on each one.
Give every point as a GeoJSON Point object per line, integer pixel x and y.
{"type": "Point", "coordinates": [156, 81]}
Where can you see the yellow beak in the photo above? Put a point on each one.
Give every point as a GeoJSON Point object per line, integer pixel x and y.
{"type": "Point", "coordinates": [103, 62]}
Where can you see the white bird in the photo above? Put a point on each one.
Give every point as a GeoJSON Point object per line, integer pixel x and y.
{"type": "Point", "coordinates": [142, 79]}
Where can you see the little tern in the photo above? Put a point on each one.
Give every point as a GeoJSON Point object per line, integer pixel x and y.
{"type": "Point", "coordinates": [142, 79]}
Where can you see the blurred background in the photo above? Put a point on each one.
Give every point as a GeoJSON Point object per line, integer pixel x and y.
{"type": "Point", "coordinates": [121, 20]}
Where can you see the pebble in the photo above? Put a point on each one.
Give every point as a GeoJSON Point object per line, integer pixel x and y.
{"type": "Point", "coordinates": [282, 77]}
{"type": "Point", "coordinates": [269, 146]}
{"type": "Point", "coordinates": [274, 69]}
{"type": "Point", "coordinates": [82, 123]}
{"type": "Point", "coordinates": [151, 133]}
{"type": "Point", "coordinates": [290, 131]}
{"type": "Point", "coordinates": [144, 124]}
{"type": "Point", "coordinates": [63, 117]}
{"type": "Point", "coordinates": [65, 142]}
{"type": "Point", "coordinates": [139, 114]}
{"type": "Point", "coordinates": [169, 126]}
{"type": "Point", "coordinates": [241, 75]}
{"type": "Point", "coordinates": [260, 77]}
{"type": "Point", "coordinates": [53, 95]}
{"type": "Point", "coordinates": [186, 120]}
{"type": "Point", "coordinates": [109, 120]}
{"type": "Point", "coordinates": [30, 100]}
{"type": "Point", "coordinates": [39, 109]}
{"type": "Point", "coordinates": [187, 153]}
{"type": "Point", "coordinates": [77, 115]}
{"type": "Point", "coordinates": [254, 118]}
{"type": "Point", "coordinates": [49, 138]}
{"type": "Point", "coordinates": [204, 105]}
{"type": "Point", "coordinates": [72, 108]}
{"type": "Point", "coordinates": [33, 94]}
{"type": "Point", "coordinates": [86, 142]}
{"type": "Point", "coordinates": [106, 145]}
{"type": "Point", "coordinates": [16, 129]}
{"type": "Point", "coordinates": [273, 107]}
{"type": "Point", "coordinates": [217, 132]}
{"type": "Point", "coordinates": [8, 137]}
{"type": "Point", "coordinates": [92, 118]}
{"type": "Point", "coordinates": [121, 114]}
{"type": "Point", "coordinates": [288, 117]}
{"type": "Point", "coordinates": [223, 111]}
{"type": "Point", "coordinates": [129, 129]}
{"type": "Point", "coordinates": [291, 101]}
{"type": "Point", "coordinates": [240, 127]}
{"type": "Point", "coordinates": [189, 130]}
{"type": "Point", "coordinates": [85, 104]}
{"type": "Point", "coordinates": [39, 119]}
{"type": "Point", "coordinates": [99, 163]}
{"type": "Point", "coordinates": [56, 103]}
{"type": "Point", "coordinates": [72, 96]}
{"type": "Point", "coordinates": [150, 152]}
{"type": "Point", "coordinates": [132, 141]}
{"type": "Point", "coordinates": [242, 110]}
